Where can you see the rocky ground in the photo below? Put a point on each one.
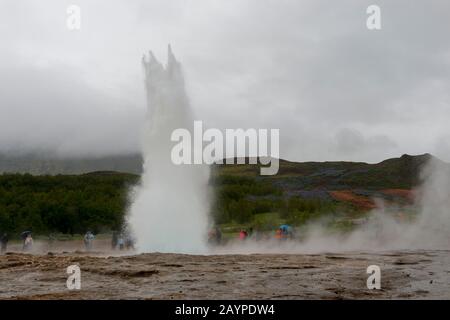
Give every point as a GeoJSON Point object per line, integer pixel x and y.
{"type": "Point", "coordinates": [109, 275]}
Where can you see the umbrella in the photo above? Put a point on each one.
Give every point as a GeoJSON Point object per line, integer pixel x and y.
{"type": "Point", "coordinates": [25, 234]}
{"type": "Point", "coordinates": [285, 228]}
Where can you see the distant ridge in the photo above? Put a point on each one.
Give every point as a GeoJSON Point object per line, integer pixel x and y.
{"type": "Point", "coordinates": [402, 172]}
{"type": "Point", "coordinates": [45, 165]}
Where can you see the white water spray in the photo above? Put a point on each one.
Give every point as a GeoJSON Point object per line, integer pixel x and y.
{"type": "Point", "coordinates": [169, 208]}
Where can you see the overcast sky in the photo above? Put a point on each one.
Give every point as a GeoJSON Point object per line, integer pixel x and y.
{"type": "Point", "coordinates": [336, 90]}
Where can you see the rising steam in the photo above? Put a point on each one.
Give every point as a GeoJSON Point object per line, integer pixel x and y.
{"type": "Point", "coordinates": [429, 230]}
{"type": "Point", "coordinates": [169, 207]}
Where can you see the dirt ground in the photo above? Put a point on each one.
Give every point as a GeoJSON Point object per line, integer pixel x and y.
{"type": "Point", "coordinates": [124, 275]}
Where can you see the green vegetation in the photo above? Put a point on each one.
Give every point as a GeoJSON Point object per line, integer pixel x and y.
{"type": "Point", "coordinates": [257, 202]}
{"type": "Point", "coordinates": [233, 198]}
{"type": "Point", "coordinates": [63, 204]}
{"type": "Point", "coordinates": [299, 194]}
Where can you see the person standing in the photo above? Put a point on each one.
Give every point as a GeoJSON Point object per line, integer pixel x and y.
{"type": "Point", "coordinates": [28, 243]}
{"type": "Point", "coordinates": [114, 240]}
{"type": "Point", "coordinates": [129, 242]}
{"type": "Point", "coordinates": [4, 242]}
{"type": "Point", "coordinates": [88, 239]}
{"type": "Point", "coordinates": [243, 234]}
{"type": "Point", "coordinates": [218, 235]}
{"type": "Point", "coordinates": [121, 242]}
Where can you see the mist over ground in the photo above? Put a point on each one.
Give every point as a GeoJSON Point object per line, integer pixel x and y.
{"type": "Point", "coordinates": [429, 230]}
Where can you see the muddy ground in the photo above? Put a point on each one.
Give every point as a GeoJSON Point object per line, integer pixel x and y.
{"type": "Point", "coordinates": [124, 275]}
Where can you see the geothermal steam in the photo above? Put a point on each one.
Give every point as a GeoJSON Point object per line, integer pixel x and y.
{"type": "Point", "coordinates": [430, 230]}
{"type": "Point", "coordinates": [169, 207]}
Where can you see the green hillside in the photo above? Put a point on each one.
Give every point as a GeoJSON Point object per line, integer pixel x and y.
{"type": "Point", "coordinates": [299, 193]}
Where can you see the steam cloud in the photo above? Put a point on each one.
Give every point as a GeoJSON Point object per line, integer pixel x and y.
{"type": "Point", "coordinates": [429, 230]}
{"type": "Point", "coordinates": [169, 207]}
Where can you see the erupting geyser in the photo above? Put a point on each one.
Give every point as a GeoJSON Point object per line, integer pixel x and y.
{"type": "Point", "coordinates": [169, 208]}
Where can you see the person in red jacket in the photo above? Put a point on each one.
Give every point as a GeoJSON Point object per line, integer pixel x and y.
{"type": "Point", "coordinates": [243, 235]}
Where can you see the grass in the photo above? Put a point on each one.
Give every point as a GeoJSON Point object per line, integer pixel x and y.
{"type": "Point", "coordinates": [267, 221]}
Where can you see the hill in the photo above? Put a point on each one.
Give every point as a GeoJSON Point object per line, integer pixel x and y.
{"type": "Point", "coordinates": [41, 164]}
{"type": "Point", "coordinates": [403, 172]}
{"type": "Point", "coordinates": [299, 193]}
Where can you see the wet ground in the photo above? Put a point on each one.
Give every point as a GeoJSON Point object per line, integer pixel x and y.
{"type": "Point", "coordinates": [108, 275]}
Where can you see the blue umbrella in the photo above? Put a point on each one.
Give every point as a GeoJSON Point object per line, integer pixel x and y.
{"type": "Point", "coordinates": [285, 227]}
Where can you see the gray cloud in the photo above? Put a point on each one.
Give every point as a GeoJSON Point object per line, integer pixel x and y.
{"type": "Point", "coordinates": [52, 110]}
{"type": "Point", "coordinates": [354, 144]}
{"type": "Point", "coordinates": [311, 68]}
